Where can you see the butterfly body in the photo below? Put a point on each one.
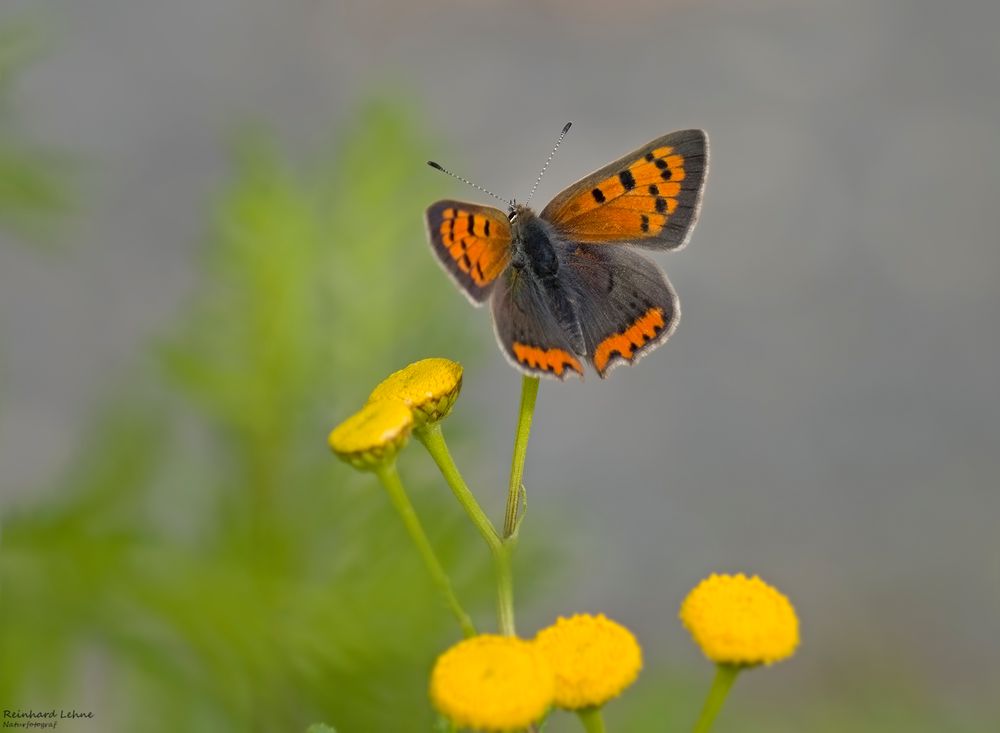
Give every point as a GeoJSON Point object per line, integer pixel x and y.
{"type": "Point", "coordinates": [535, 263]}
{"type": "Point", "coordinates": [566, 285]}
{"type": "Point", "coordinates": [531, 242]}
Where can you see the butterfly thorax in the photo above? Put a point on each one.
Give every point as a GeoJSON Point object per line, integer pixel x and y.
{"type": "Point", "coordinates": [534, 254]}
{"type": "Point", "coordinates": [531, 242]}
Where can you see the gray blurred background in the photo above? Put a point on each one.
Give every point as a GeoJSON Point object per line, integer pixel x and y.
{"type": "Point", "coordinates": [827, 413]}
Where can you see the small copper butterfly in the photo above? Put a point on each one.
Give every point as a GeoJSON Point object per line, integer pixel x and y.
{"type": "Point", "coordinates": [567, 284]}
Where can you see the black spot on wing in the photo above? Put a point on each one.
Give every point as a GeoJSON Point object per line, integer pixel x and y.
{"type": "Point", "coordinates": [598, 195]}
{"type": "Point", "coordinates": [627, 180]}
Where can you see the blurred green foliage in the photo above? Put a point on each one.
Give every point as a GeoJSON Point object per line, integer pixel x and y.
{"type": "Point", "coordinates": [32, 178]}
{"type": "Point", "coordinates": [206, 564]}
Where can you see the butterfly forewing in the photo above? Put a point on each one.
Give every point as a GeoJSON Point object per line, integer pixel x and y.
{"type": "Point", "coordinates": [649, 198]}
{"type": "Point", "coordinates": [626, 304]}
{"type": "Point", "coordinates": [472, 242]}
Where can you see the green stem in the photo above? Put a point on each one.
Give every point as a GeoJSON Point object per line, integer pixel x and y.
{"type": "Point", "coordinates": [505, 590]}
{"type": "Point", "coordinates": [433, 440]}
{"type": "Point", "coordinates": [502, 558]}
{"type": "Point", "coordinates": [725, 675]}
{"type": "Point", "coordinates": [593, 721]}
{"type": "Point", "coordinates": [529, 392]}
{"type": "Point", "coordinates": [389, 477]}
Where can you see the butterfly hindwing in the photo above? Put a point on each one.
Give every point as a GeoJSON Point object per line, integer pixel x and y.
{"type": "Point", "coordinates": [472, 243]}
{"type": "Point", "coordinates": [625, 303]}
{"type": "Point", "coordinates": [649, 198]}
{"type": "Point", "coordinates": [527, 331]}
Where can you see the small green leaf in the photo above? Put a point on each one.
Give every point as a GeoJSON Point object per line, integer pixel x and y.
{"type": "Point", "coordinates": [320, 728]}
{"type": "Point", "coordinates": [521, 514]}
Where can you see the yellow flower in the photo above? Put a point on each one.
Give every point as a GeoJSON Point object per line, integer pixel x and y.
{"type": "Point", "coordinates": [429, 387]}
{"type": "Point", "coordinates": [373, 435]}
{"type": "Point", "coordinates": [492, 683]}
{"type": "Point", "coordinates": [593, 657]}
{"type": "Point", "coordinates": [740, 620]}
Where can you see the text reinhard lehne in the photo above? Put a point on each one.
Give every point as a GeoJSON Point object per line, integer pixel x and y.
{"type": "Point", "coordinates": [24, 716]}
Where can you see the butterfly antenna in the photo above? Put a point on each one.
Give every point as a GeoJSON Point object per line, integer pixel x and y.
{"type": "Point", "coordinates": [551, 156]}
{"type": "Point", "coordinates": [476, 186]}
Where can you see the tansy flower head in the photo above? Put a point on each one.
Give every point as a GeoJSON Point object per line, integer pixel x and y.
{"type": "Point", "coordinates": [593, 658]}
{"type": "Point", "coordinates": [429, 387]}
{"type": "Point", "coordinates": [740, 620]}
{"type": "Point", "coordinates": [373, 435]}
{"type": "Point", "coordinates": [492, 683]}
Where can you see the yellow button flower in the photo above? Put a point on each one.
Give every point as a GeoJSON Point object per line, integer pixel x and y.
{"type": "Point", "coordinates": [740, 620]}
{"type": "Point", "coordinates": [492, 683]}
{"type": "Point", "coordinates": [593, 657]}
{"type": "Point", "coordinates": [373, 435]}
{"type": "Point", "coordinates": [429, 387]}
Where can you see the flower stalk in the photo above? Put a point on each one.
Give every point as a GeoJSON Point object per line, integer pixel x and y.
{"type": "Point", "coordinates": [433, 440]}
{"type": "Point", "coordinates": [592, 720]}
{"type": "Point", "coordinates": [505, 589]}
{"type": "Point", "coordinates": [725, 675]}
{"type": "Point", "coordinates": [529, 393]}
{"type": "Point", "coordinates": [389, 478]}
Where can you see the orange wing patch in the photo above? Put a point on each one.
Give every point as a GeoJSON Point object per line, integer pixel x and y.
{"type": "Point", "coordinates": [628, 342]}
{"type": "Point", "coordinates": [649, 198]}
{"type": "Point", "coordinates": [556, 361]}
{"type": "Point", "coordinates": [471, 239]}
{"type": "Point", "coordinates": [635, 203]}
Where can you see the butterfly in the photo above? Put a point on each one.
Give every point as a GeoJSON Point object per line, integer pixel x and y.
{"type": "Point", "coordinates": [567, 285]}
